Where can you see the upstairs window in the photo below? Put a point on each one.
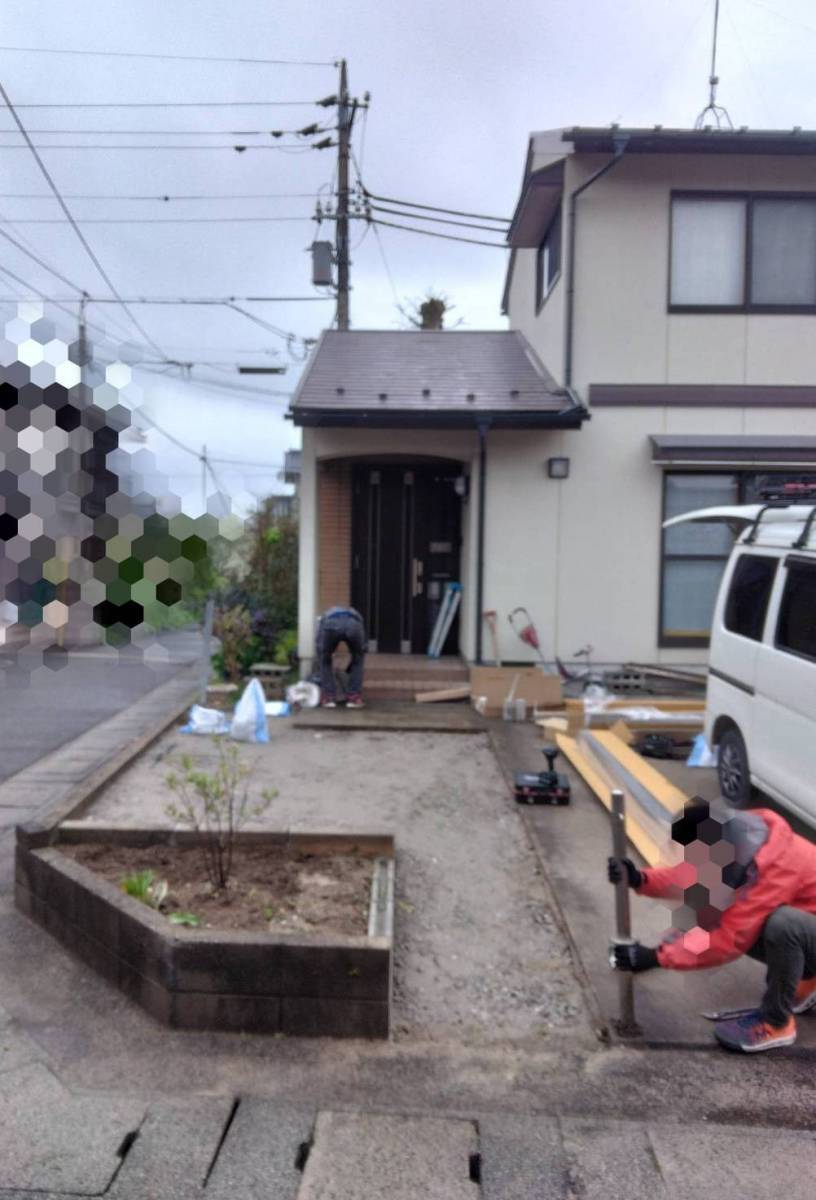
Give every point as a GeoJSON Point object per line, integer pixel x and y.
{"type": "Point", "coordinates": [548, 260]}
{"type": "Point", "coordinates": [755, 253]}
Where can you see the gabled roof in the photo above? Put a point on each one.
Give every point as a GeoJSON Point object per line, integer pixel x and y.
{"type": "Point", "coordinates": [416, 378]}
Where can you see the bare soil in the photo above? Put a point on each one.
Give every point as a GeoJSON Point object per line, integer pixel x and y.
{"type": "Point", "coordinates": [270, 889]}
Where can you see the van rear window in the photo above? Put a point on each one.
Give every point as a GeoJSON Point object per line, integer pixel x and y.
{"type": "Point", "coordinates": [796, 630]}
{"type": "Point", "coordinates": [748, 595]}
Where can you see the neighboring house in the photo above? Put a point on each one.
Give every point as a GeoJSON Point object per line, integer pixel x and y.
{"type": "Point", "coordinates": [661, 281]}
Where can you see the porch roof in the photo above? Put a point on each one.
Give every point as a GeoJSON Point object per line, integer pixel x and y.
{"type": "Point", "coordinates": [429, 378]}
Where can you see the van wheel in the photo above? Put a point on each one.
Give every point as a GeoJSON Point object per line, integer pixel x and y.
{"type": "Point", "coordinates": [732, 769]}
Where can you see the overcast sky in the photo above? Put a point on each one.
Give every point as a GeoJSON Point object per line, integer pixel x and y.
{"type": "Point", "coordinates": [456, 89]}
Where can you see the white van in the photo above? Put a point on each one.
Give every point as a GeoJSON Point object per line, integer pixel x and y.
{"type": "Point", "coordinates": [761, 700]}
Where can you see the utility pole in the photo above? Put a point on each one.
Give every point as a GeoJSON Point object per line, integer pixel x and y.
{"type": "Point", "coordinates": [345, 118]}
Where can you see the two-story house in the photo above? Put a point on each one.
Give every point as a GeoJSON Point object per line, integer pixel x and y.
{"type": "Point", "coordinates": [661, 296]}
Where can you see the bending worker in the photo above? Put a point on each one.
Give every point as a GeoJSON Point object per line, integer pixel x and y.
{"type": "Point", "coordinates": [749, 883]}
{"type": "Point", "coordinates": [334, 626]}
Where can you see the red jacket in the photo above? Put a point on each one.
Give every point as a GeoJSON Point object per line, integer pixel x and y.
{"type": "Point", "coordinates": [786, 874]}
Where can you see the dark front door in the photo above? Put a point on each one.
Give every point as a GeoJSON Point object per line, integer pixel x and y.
{"type": "Point", "coordinates": [406, 541]}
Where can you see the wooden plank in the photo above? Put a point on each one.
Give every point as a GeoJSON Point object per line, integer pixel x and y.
{"type": "Point", "coordinates": [668, 796]}
{"type": "Point", "coordinates": [455, 693]}
{"type": "Point", "coordinates": [592, 777]}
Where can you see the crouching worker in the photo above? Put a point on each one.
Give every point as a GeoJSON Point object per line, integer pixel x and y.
{"type": "Point", "coordinates": [334, 626]}
{"type": "Point", "coordinates": [747, 885]}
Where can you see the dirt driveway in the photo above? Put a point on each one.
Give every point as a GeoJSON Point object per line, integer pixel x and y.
{"type": "Point", "coordinates": [479, 957]}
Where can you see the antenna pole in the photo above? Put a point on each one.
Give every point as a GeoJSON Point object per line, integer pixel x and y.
{"type": "Point", "coordinates": [720, 115]}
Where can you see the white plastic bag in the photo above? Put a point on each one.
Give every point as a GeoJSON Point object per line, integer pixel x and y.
{"type": "Point", "coordinates": [249, 716]}
{"type": "Point", "coordinates": [206, 720]}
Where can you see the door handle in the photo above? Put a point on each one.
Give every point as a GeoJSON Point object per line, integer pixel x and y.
{"type": "Point", "coordinates": [416, 578]}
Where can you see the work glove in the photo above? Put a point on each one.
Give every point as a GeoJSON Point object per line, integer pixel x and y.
{"type": "Point", "coordinates": [615, 868]}
{"type": "Point", "coordinates": [634, 957]}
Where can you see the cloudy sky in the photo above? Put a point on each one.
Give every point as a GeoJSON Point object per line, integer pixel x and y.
{"type": "Point", "coordinates": [456, 88]}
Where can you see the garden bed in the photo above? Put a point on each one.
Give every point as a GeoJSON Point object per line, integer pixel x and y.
{"type": "Point", "coordinates": [319, 983]}
{"type": "Point", "coordinates": [270, 889]}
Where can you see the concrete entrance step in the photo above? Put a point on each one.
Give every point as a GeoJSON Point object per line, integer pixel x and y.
{"type": "Point", "coordinates": [359, 1156]}
{"type": "Point", "coordinates": [400, 676]}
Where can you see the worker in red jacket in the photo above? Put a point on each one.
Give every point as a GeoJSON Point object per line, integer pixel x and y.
{"type": "Point", "coordinates": [747, 885]}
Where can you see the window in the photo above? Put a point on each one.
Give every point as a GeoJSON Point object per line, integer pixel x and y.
{"type": "Point", "coordinates": [695, 555]}
{"type": "Point", "coordinates": [743, 252]}
{"type": "Point", "coordinates": [708, 252]}
{"type": "Point", "coordinates": [548, 260]}
{"type": "Point", "coordinates": [796, 630]}
{"type": "Point", "coordinates": [748, 596]}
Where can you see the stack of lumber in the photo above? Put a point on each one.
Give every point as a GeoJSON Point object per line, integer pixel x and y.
{"type": "Point", "coordinates": [604, 761]}
{"type": "Point", "coordinates": [680, 717]}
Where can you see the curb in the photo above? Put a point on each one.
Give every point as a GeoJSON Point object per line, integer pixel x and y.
{"type": "Point", "coordinates": [601, 1027]}
{"type": "Point", "coordinates": [41, 830]}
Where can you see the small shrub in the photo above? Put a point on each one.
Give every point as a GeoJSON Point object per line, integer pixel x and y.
{"type": "Point", "coordinates": [285, 652]}
{"type": "Point", "coordinates": [216, 804]}
{"type": "Point", "coordinates": [144, 886]}
{"type": "Point", "coordinates": [234, 628]}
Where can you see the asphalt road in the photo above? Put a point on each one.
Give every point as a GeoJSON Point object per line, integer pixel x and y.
{"type": "Point", "coordinates": [41, 711]}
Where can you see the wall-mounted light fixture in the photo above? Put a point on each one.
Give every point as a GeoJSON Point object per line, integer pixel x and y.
{"type": "Point", "coordinates": [558, 468]}
{"type": "Point", "coordinates": [461, 486]}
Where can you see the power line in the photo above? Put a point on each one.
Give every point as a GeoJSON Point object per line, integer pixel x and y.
{"type": "Point", "coordinates": [175, 220]}
{"type": "Point", "coordinates": [448, 237]}
{"type": "Point", "coordinates": [430, 207]}
{"type": "Point", "coordinates": [168, 146]}
{"type": "Point", "coordinates": [163, 199]}
{"type": "Point", "coordinates": [274, 62]}
{"type": "Point", "coordinates": [77, 230]}
{"type": "Point", "coordinates": [41, 263]}
{"type": "Point", "coordinates": [385, 264]}
{"type": "Point", "coordinates": [164, 104]}
{"type": "Point", "coordinates": [306, 131]}
{"type": "Point", "coordinates": [395, 212]}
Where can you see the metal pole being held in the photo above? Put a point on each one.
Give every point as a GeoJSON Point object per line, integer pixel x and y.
{"type": "Point", "coordinates": [627, 1025]}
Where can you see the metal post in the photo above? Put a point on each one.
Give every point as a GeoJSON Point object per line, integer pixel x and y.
{"type": "Point", "coordinates": [205, 663]}
{"type": "Point", "coordinates": [344, 120]}
{"type": "Point", "coordinates": [627, 1024]}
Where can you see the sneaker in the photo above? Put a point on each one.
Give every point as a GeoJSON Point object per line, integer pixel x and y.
{"type": "Point", "coordinates": [805, 997]}
{"type": "Point", "coordinates": [752, 1033]}
{"type": "Point", "coordinates": [355, 702]}
{"type": "Point", "coordinates": [328, 704]}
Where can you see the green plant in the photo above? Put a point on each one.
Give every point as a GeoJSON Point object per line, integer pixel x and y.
{"type": "Point", "coordinates": [286, 647]}
{"type": "Point", "coordinates": [234, 628]}
{"type": "Point", "coordinates": [144, 886]}
{"type": "Point", "coordinates": [216, 804]}
{"type": "Point", "coordinates": [184, 918]}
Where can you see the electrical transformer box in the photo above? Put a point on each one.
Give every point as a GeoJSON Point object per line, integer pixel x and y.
{"type": "Point", "coordinates": [322, 261]}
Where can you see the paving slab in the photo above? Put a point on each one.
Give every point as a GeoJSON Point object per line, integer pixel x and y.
{"type": "Point", "coordinates": [359, 1156]}
{"type": "Point", "coordinates": [700, 1163]}
{"type": "Point", "coordinates": [522, 1158]}
{"type": "Point", "coordinates": [259, 1157]}
{"type": "Point", "coordinates": [177, 1144]}
{"type": "Point", "coordinates": [575, 842]}
{"type": "Point", "coordinates": [611, 1159]}
{"type": "Point", "coordinates": [17, 1049]}
{"type": "Point", "coordinates": [54, 1141]}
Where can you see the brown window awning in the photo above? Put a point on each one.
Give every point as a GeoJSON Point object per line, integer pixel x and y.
{"type": "Point", "coordinates": [739, 450]}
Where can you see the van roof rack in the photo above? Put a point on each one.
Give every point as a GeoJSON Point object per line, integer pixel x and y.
{"type": "Point", "coordinates": [793, 492]}
{"type": "Point", "coordinates": [785, 496]}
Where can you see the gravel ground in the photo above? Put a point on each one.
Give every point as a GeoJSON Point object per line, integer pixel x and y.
{"type": "Point", "coordinates": [479, 957]}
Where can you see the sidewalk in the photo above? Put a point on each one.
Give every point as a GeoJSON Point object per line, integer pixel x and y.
{"type": "Point", "coordinates": [96, 1098]}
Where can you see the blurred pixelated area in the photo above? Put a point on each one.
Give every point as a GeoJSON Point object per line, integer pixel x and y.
{"type": "Point", "coordinates": [94, 546]}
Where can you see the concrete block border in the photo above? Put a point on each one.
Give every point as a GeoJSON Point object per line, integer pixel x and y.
{"type": "Point", "coordinates": [301, 985]}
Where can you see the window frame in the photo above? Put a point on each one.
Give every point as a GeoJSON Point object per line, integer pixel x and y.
{"type": "Point", "coordinates": [543, 294]}
{"type": "Point", "coordinates": [743, 475]}
{"type": "Point", "coordinates": [747, 305]}
{"type": "Point", "coordinates": [773, 561]}
{"type": "Point", "coordinates": [791, 561]}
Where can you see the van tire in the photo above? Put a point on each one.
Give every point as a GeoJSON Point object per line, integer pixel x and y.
{"type": "Point", "coordinates": [733, 770]}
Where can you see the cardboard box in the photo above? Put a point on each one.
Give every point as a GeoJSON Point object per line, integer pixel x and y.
{"type": "Point", "coordinates": [492, 685]}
